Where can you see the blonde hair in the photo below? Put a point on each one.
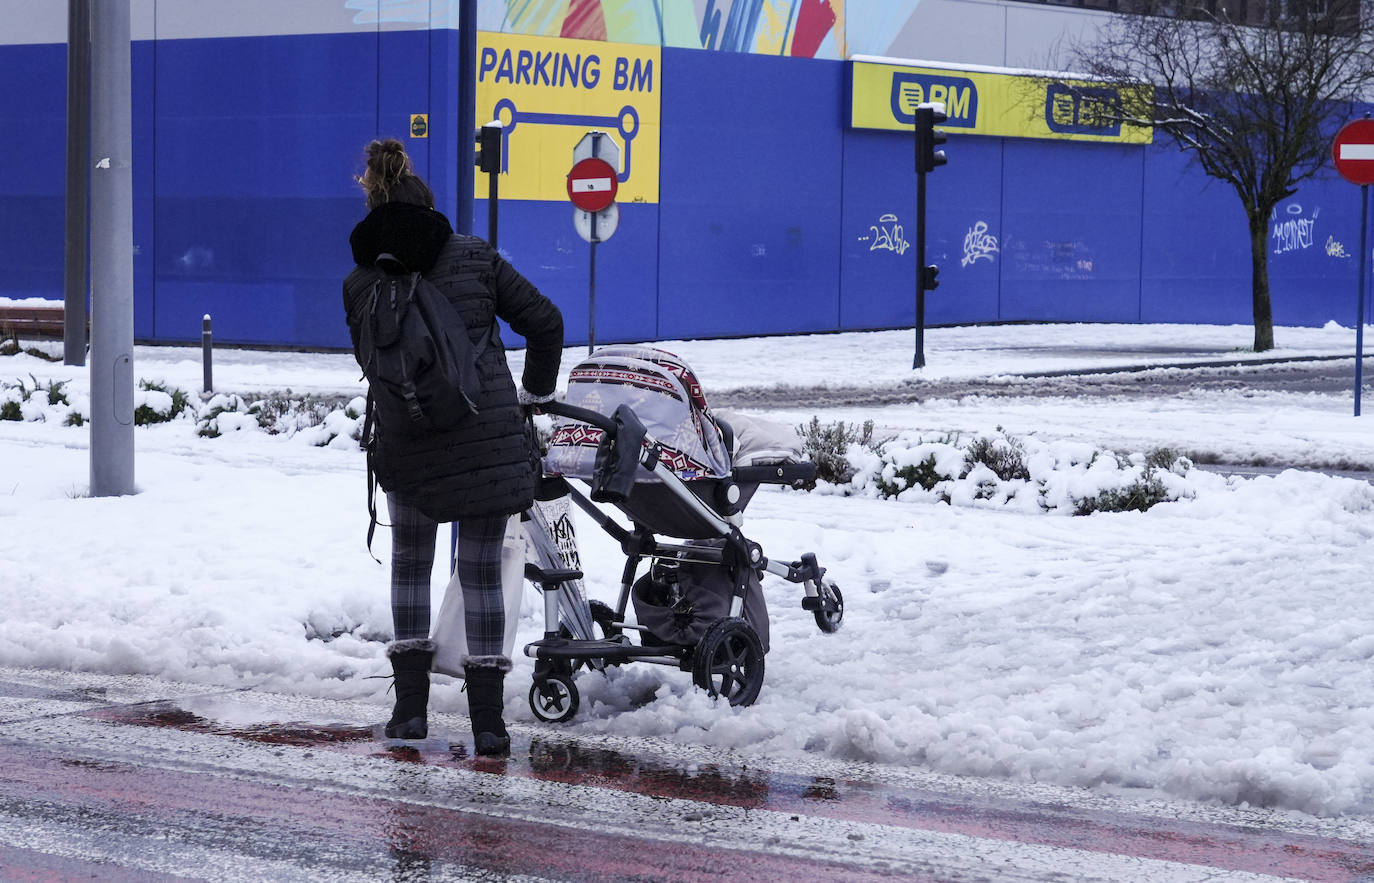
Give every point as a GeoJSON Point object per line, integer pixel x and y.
{"type": "Point", "coordinates": [390, 176]}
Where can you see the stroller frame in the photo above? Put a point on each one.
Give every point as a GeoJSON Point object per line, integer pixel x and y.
{"type": "Point", "coordinates": [728, 660]}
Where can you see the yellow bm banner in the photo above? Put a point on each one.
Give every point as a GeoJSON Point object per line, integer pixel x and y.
{"type": "Point", "coordinates": [885, 96]}
{"type": "Point", "coordinates": [549, 92]}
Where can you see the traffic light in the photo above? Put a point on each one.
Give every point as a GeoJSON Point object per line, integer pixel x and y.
{"type": "Point", "coordinates": [489, 147]}
{"type": "Point", "coordinates": [928, 138]}
{"type": "Point", "coordinates": [930, 277]}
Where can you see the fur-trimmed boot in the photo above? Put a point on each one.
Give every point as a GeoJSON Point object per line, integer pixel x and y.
{"type": "Point", "coordinates": [410, 661]}
{"type": "Point", "coordinates": [486, 677]}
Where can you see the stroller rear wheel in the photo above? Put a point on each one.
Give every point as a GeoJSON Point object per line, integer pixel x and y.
{"type": "Point", "coordinates": [554, 699]}
{"type": "Point", "coordinates": [728, 661]}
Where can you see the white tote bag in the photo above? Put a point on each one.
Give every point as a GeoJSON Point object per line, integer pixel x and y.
{"type": "Point", "coordinates": [450, 634]}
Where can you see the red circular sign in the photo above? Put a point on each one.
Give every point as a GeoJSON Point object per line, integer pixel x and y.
{"type": "Point", "coordinates": [1353, 152]}
{"type": "Point", "coordinates": [592, 184]}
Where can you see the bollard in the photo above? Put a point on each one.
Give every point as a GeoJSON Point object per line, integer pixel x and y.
{"type": "Point", "coordinates": [206, 341]}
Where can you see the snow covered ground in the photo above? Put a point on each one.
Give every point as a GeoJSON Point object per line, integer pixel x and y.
{"type": "Point", "coordinates": [1217, 648]}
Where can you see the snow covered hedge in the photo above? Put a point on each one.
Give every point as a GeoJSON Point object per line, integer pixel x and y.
{"type": "Point", "coordinates": [312, 419]}
{"type": "Point", "coordinates": [994, 470]}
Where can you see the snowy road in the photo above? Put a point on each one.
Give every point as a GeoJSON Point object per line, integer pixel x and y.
{"type": "Point", "coordinates": [128, 778]}
{"type": "Point", "coordinates": [1327, 376]}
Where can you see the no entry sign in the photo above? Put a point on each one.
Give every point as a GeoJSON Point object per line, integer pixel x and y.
{"type": "Point", "coordinates": [592, 184]}
{"type": "Point", "coordinates": [1353, 152]}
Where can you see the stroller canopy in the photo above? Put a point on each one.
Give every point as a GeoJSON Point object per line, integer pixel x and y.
{"type": "Point", "coordinates": [664, 393]}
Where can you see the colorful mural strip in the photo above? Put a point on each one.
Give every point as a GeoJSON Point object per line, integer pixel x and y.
{"type": "Point", "coordinates": [548, 92]}
{"type": "Point", "coordinates": [885, 96]}
{"type": "Point", "coordinates": [831, 29]}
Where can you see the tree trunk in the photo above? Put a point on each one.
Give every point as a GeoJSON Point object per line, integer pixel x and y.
{"type": "Point", "coordinates": [1259, 281]}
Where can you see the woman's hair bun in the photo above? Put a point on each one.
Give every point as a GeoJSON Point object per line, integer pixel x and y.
{"type": "Point", "coordinates": [390, 176]}
{"type": "Point", "coordinates": [387, 161]}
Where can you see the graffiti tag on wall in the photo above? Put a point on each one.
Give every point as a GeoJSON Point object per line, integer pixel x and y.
{"type": "Point", "coordinates": [1295, 232]}
{"type": "Point", "coordinates": [979, 244]}
{"type": "Point", "coordinates": [886, 235]}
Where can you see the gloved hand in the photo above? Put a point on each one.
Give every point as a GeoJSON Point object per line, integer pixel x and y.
{"type": "Point", "coordinates": [530, 401]}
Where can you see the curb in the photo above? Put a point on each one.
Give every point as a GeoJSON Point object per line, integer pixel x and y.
{"type": "Point", "coordinates": [1219, 363]}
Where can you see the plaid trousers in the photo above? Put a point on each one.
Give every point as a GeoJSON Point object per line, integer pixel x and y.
{"type": "Point", "coordinates": [479, 570]}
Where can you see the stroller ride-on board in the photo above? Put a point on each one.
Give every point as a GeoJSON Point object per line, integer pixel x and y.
{"type": "Point", "coordinates": [699, 606]}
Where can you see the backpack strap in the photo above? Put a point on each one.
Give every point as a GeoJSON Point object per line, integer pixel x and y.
{"type": "Point", "coordinates": [408, 391]}
{"type": "Point", "coordinates": [369, 446]}
{"type": "Point", "coordinates": [367, 329]}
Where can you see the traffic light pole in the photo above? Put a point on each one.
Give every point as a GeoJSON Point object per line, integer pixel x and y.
{"type": "Point", "coordinates": [928, 159]}
{"type": "Point", "coordinates": [493, 203]}
{"type": "Point", "coordinates": [488, 158]}
{"type": "Point", "coordinates": [920, 359]}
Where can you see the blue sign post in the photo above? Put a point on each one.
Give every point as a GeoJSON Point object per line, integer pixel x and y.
{"type": "Point", "coordinates": [1353, 154]}
{"type": "Point", "coordinates": [1359, 310]}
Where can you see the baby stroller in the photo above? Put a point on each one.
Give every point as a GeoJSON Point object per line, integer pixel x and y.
{"type": "Point", "coordinates": [635, 429]}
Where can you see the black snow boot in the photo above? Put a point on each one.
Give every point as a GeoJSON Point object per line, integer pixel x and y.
{"type": "Point", "coordinates": [486, 700]}
{"type": "Point", "coordinates": [410, 662]}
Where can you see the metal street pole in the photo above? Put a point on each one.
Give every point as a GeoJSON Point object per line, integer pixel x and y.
{"type": "Point", "coordinates": [467, 112]}
{"type": "Point", "coordinates": [493, 205]}
{"type": "Point", "coordinates": [467, 151]}
{"type": "Point", "coordinates": [919, 360]}
{"type": "Point", "coordinates": [591, 293]}
{"type": "Point", "coordinates": [112, 253]}
{"type": "Point", "coordinates": [76, 281]}
{"type": "Point", "coordinates": [1359, 311]}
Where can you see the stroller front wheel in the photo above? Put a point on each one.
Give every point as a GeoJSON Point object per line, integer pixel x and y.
{"type": "Point", "coordinates": [830, 611]}
{"type": "Point", "coordinates": [728, 661]}
{"type": "Point", "coordinates": [554, 699]}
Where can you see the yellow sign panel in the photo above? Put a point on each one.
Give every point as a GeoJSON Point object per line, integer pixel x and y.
{"type": "Point", "coordinates": [885, 96]}
{"type": "Point", "coordinates": [419, 125]}
{"type": "Point", "coordinates": [548, 93]}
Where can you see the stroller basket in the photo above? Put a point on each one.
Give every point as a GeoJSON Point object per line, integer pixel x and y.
{"type": "Point", "coordinates": [636, 431]}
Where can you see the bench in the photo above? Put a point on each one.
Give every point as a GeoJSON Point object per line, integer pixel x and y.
{"type": "Point", "coordinates": [31, 322]}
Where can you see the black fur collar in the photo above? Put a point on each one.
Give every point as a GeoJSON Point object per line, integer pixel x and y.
{"type": "Point", "coordinates": [414, 234]}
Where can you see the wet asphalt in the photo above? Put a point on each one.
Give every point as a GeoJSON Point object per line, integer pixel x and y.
{"type": "Point", "coordinates": [1313, 374]}
{"type": "Point", "coordinates": [133, 778]}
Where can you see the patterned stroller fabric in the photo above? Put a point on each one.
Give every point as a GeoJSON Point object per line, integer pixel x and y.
{"type": "Point", "coordinates": [665, 395]}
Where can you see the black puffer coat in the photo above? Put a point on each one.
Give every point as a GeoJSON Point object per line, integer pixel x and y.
{"type": "Point", "coordinates": [484, 466]}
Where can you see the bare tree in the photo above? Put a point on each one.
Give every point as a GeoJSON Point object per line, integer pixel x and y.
{"type": "Point", "coordinates": [1255, 92]}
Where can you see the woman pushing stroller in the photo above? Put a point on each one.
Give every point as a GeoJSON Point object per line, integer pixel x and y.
{"type": "Point", "coordinates": [477, 474]}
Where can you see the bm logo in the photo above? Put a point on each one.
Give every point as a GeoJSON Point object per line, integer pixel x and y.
{"type": "Point", "coordinates": [1083, 110]}
{"type": "Point", "coordinates": [958, 94]}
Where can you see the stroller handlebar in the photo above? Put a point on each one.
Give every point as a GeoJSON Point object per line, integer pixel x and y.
{"type": "Point", "coordinates": [582, 415]}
